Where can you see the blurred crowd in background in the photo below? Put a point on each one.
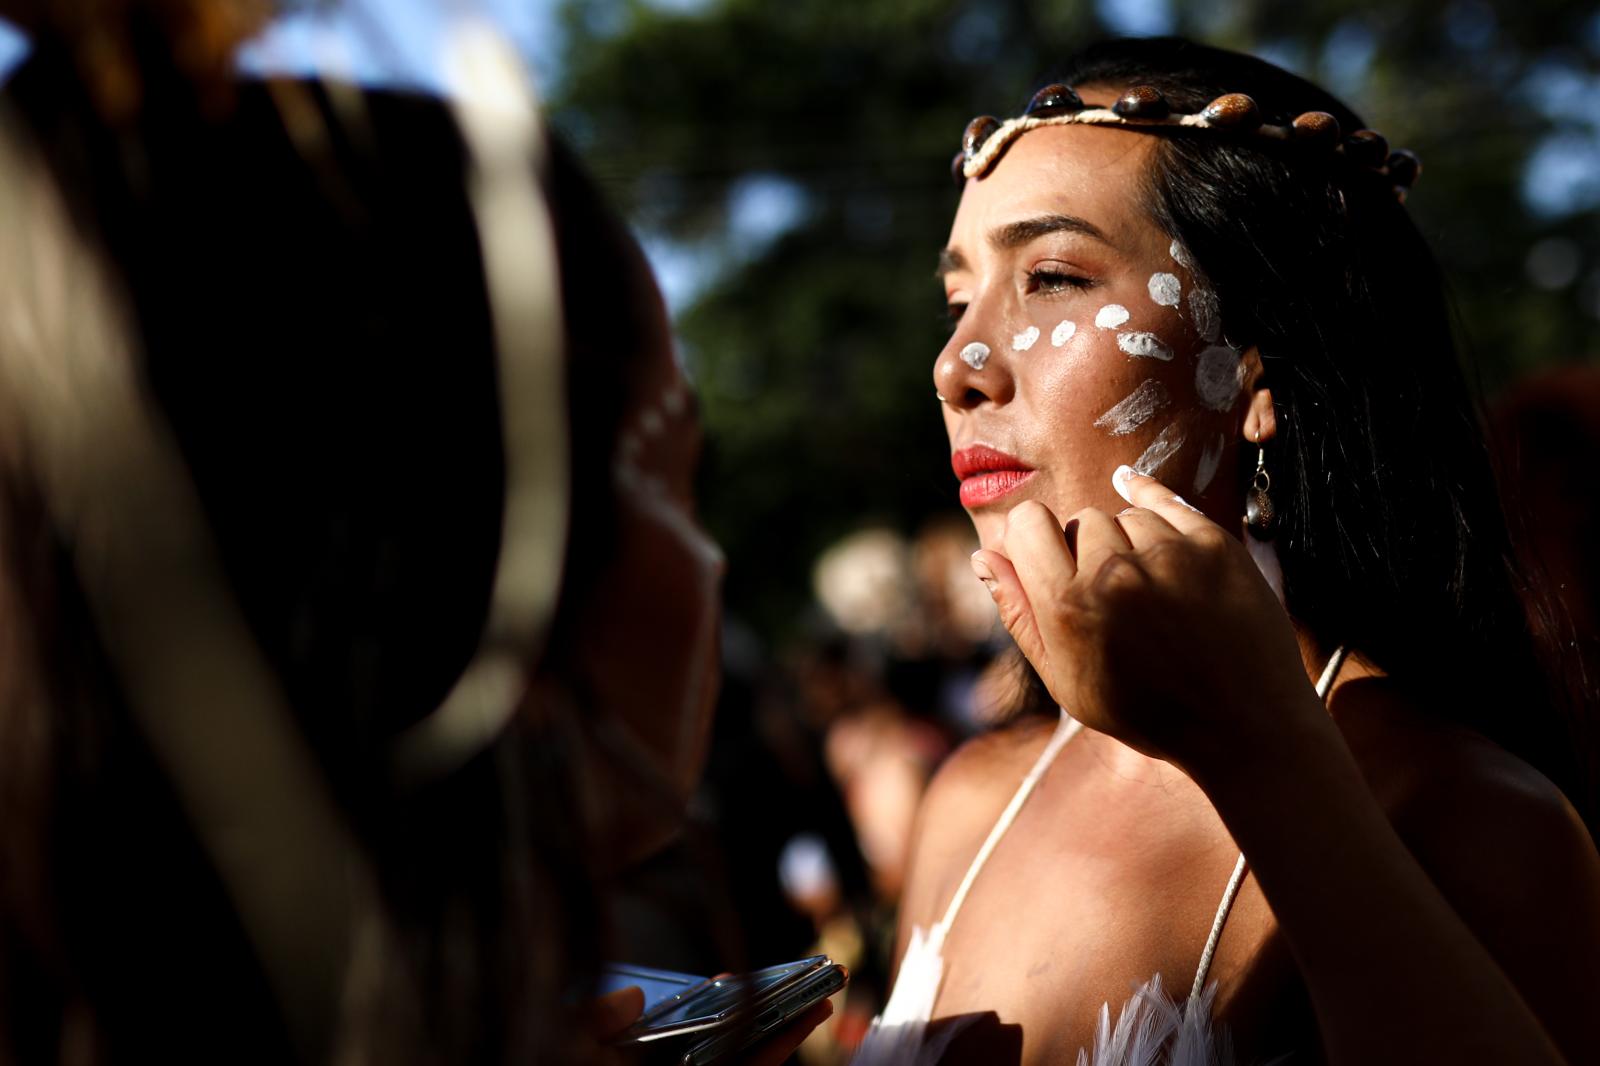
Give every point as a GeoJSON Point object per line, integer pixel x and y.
{"type": "Point", "coordinates": [785, 165]}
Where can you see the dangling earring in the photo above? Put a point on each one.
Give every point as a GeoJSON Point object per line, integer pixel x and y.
{"type": "Point", "coordinates": [1260, 516]}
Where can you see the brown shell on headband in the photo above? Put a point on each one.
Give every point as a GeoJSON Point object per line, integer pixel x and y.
{"type": "Point", "coordinates": [1142, 101]}
{"type": "Point", "coordinates": [1404, 168]}
{"type": "Point", "coordinates": [1366, 148]}
{"type": "Point", "coordinates": [1316, 129]}
{"type": "Point", "coordinates": [1054, 99]}
{"type": "Point", "coordinates": [978, 130]}
{"type": "Point", "coordinates": [958, 164]}
{"type": "Point", "coordinates": [1235, 111]}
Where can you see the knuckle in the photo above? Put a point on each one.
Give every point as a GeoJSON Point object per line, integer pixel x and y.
{"type": "Point", "coordinates": [1176, 551]}
{"type": "Point", "coordinates": [1119, 573]}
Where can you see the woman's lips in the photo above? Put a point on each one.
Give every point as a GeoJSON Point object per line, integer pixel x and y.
{"type": "Point", "coordinates": [988, 475]}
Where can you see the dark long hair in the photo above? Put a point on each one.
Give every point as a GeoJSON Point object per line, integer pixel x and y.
{"type": "Point", "coordinates": [314, 328]}
{"type": "Point", "coordinates": [1393, 540]}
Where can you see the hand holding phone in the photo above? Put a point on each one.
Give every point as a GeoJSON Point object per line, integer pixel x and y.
{"type": "Point", "coordinates": [724, 1015]}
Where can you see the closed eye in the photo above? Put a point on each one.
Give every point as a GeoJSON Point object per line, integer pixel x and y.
{"type": "Point", "coordinates": [1050, 282]}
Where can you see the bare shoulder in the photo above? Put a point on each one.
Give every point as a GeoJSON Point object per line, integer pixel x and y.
{"type": "Point", "coordinates": [1443, 783]}
{"type": "Point", "coordinates": [988, 764]}
{"type": "Point", "coordinates": [1502, 843]}
{"type": "Point", "coordinates": [961, 804]}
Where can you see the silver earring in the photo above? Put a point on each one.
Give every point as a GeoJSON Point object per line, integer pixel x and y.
{"type": "Point", "coordinates": [1260, 515]}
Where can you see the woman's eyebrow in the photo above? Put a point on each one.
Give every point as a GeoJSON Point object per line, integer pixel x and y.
{"type": "Point", "coordinates": [1015, 234]}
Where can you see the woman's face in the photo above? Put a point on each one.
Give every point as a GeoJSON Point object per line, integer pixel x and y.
{"type": "Point", "coordinates": [1082, 339]}
{"type": "Point", "coordinates": [651, 630]}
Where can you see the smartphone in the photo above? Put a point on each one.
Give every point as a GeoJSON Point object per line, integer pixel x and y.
{"type": "Point", "coordinates": [727, 1013]}
{"type": "Point", "coordinates": [817, 985]}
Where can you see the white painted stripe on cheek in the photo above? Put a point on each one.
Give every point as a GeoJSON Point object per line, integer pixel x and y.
{"type": "Point", "coordinates": [1144, 346]}
{"type": "Point", "coordinates": [1161, 449]}
{"type": "Point", "coordinates": [1111, 316]}
{"type": "Point", "coordinates": [1135, 410]}
{"type": "Point", "coordinates": [1025, 340]}
{"type": "Point", "coordinates": [1203, 313]}
{"type": "Point", "coordinates": [975, 355]}
{"type": "Point", "coordinates": [1063, 332]}
{"type": "Point", "coordinates": [1165, 289]}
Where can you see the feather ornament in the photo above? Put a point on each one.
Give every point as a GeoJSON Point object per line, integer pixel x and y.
{"type": "Point", "coordinates": [1154, 1030]}
{"type": "Point", "coordinates": [900, 1035]}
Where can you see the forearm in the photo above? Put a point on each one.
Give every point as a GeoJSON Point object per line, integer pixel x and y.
{"type": "Point", "coordinates": [1393, 973]}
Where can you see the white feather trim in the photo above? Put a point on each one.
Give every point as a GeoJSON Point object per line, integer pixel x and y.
{"type": "Point", "coordinates": [899, 1036]}
{"type": "Point", "coordinates": [1153, 1030]}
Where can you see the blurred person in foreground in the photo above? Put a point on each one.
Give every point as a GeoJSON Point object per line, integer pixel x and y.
{"type": "Point", "coordinates": [1309, 791]}
{"type": "Point", "coordinates": [357, 628]}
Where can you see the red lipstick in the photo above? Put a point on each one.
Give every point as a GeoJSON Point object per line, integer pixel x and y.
{"type": "Point", "coordinates": [987, 475]}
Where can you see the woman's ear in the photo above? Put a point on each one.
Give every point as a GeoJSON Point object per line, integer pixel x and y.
{"type": "Point", "coordinates": [1260, 423]}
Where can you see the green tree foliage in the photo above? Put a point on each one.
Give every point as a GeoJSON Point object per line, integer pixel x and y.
{"type": "Point", "coordinates": [813, 347]}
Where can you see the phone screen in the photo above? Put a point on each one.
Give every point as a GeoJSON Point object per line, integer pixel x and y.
{"type": "Point", "coordinates": [781, 1007]}
{"type": "Point", "coordinates": [660, 987]}
{"type": "Point", "coordinates": [729, 993]}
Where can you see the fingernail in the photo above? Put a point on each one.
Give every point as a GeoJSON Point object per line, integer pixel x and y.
{"type": "Point", "coordinates": [1119, 480]}
{"type": "Point", "coordinates": [985, 575]}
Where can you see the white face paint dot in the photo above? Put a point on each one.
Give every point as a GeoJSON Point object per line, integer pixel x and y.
{"type": "Point", "coordinates": [1024, 340]}
{"type": "Point", "coordinates": [1216, 378]}
{"type": "Point", "coordinates": [1063, 332]}
{"type": "Point", "coordinates": [975, 355]}
{"type": "Point", "coordinates": [651, 422]}
{"type": "Point", "coordinates": [1144, 346]}
{"type": "Point", "coordinates": [1165, 289]}
{"type": "Point", "coordinates": [1111, 316]}
{"type": "Point", "coordinates": [1180, 255]}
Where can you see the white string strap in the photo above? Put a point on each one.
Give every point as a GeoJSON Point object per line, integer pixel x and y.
{"type": "Point", "coordinates": [1324, 684]}
{"type": "Point", "coordinates": [1065, 731]}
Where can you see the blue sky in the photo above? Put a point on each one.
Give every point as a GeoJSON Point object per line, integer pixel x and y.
{"type": "Point", "coordinates": [384, 41]}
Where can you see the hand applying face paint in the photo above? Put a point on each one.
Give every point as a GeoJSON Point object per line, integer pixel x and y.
{"type": "Point", "coordinates": [1153, 625]}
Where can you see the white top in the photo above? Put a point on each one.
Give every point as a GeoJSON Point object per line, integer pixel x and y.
{"type": "Point", "coordinates": [1151, 1027]}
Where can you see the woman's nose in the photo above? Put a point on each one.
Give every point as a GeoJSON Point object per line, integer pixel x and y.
{"type": "Point", "coordinates": [973, 369]}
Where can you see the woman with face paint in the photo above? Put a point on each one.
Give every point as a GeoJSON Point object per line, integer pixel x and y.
{"type": "Point", "coordinates": [1307, 790]}
{"type": "Point", "coordinates": [358, 628]}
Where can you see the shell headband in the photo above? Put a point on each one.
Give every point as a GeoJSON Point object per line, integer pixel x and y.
{"type": "Point", "coordinates": [1143, 107]}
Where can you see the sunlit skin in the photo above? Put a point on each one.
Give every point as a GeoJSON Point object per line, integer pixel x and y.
{"type": "Point", "coordinates": [1101, 799]}
{"type": "Point", "coordinates": [1051, 234]}
{"type": "Point", "coordinates": [1370, 828]}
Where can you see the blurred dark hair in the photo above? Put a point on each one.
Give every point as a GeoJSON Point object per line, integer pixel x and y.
{"type": "Point", "coordinates": [315, 329]}
{"type": "Point", "coordinates": [1393, 541]}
